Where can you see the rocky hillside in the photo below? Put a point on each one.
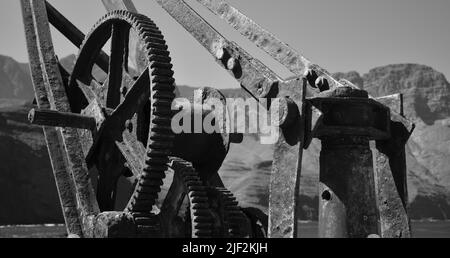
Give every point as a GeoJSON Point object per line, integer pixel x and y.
{"type": "Point", "coordinates": [27, 189]}
{"type": "Point", "coordinates": [28, 194]}
{"type": "Point", "coordinates": [15, 82]}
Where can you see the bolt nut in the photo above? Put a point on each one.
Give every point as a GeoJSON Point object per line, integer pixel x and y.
{"type": "Point", "coordinates": [311, 76]}
{"type": "Point", "coordinates": [232, 64]}
{"type": "Point", "coordinates": [322, 84]}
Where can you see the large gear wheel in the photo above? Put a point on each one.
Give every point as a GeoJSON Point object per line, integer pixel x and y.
{"type": "Point", "coordinates": [134, 116]}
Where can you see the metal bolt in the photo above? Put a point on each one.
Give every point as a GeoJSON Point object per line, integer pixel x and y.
{"type": "Point", "coordinates": [322, 84]}
{"type": "Point", "coordinates": [129, 126]}
{"type": "Point", "coordinates": [311, 76]}
{"type": "Point", "coordinates": [221, 53]}
{"type": "Point", "coordinates": [260, 89]}
{"type": "Point", "coordinates": [232, 64]}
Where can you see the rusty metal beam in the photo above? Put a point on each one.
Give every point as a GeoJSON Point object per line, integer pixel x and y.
{"type": "Point", "coordinates": [61, 174]}
{"type": "Point", "coordinates": [58, 99]}
{"type": "Point", "coordinates": [391, 173]}
{"type": "Point", "coordinates": [286, 167]}
{"type": "Point", "coordinates": [347, 189]}
{"type": "Point", "coordinates": [252, 74]}
{"type": "Point", "coordinates": [58, 119]}
{"type": "Point", "coordinates": [280, 51]}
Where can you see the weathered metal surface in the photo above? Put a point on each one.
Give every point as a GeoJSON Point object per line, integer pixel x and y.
{"type": "Point", "coordinates": [56, 94]}
{"type": "Point", "coordinates": [57, 119]}
{"type": "Point", "coordinates": [277, 49]}
{"type": "Point", "coordinates": [113, 225]}
{"type": "Point", "coordinates": [347, 189]}
{"type": "Point", "coordinates": [350, 117]}
{"type": "Point", "coordinates": [253, 75]}
{"type": "Point", "coordinates": [286, 168]}
{"type": "Point", "coordinates": [119, 52]}
{"type": "Point", "coordinates": [62, 177]}
{"type": "Point", "coordinates": [133, 151]}
{"type": "Point", "coordinates": [348, 205]}
{"type": "Point", "coordinates": [391, 175]}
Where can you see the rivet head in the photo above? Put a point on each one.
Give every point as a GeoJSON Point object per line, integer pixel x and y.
{"type": "Point", "coordinates": [220, 53]}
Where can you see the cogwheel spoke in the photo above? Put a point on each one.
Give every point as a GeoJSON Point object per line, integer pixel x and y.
{"type": "Point", "coordinates": [133, 151]}
{"type": "Point", "coordinates": [135, 99]}
{"type": "Point", "coordinates": [119, 44]}
{"type": "Point", "coordinates": [106, 187]}
{"type": "Point", "coordinates": [133, 114]}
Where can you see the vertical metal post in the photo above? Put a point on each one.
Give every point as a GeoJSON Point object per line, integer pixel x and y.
{"type": "Point", "coordinates": [391, 173]}
{"type": "Point", "coordinates": [347, 193]}
{"type": "Point", "coordinates": [346, 123]}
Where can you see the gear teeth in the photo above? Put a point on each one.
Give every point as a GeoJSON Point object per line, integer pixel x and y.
{"type": "Point", "coordinates": [168, 81]}
{"type": "Point", "coordinates": [200, 214]}
{"type": "Point", "coordinates": [161, 137]}
{"type": "Point", "coordinates": [233, 217]}
{"type": "Point", "coordinates": [160, 59]}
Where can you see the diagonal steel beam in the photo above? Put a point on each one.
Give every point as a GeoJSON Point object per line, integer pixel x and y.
{"type": "Point", "coordinates": [251, 73]}
{"type": "Point", "coordinates": [277, 49]}
{"type": "Point", "coordinates": [61, 174]}
{"type": "Point", "coordinates": [57, 97]}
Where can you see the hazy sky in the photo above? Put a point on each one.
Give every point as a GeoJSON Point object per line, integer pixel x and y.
{"type": "Point", "coordinates": [339, 35]}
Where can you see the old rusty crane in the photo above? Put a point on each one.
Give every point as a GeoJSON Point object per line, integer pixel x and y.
{"type": "Point", "coordinates": [102, 129]}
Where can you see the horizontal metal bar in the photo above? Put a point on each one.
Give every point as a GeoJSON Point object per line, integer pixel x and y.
{"type": "Point", "coordinates": [60, 119]}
